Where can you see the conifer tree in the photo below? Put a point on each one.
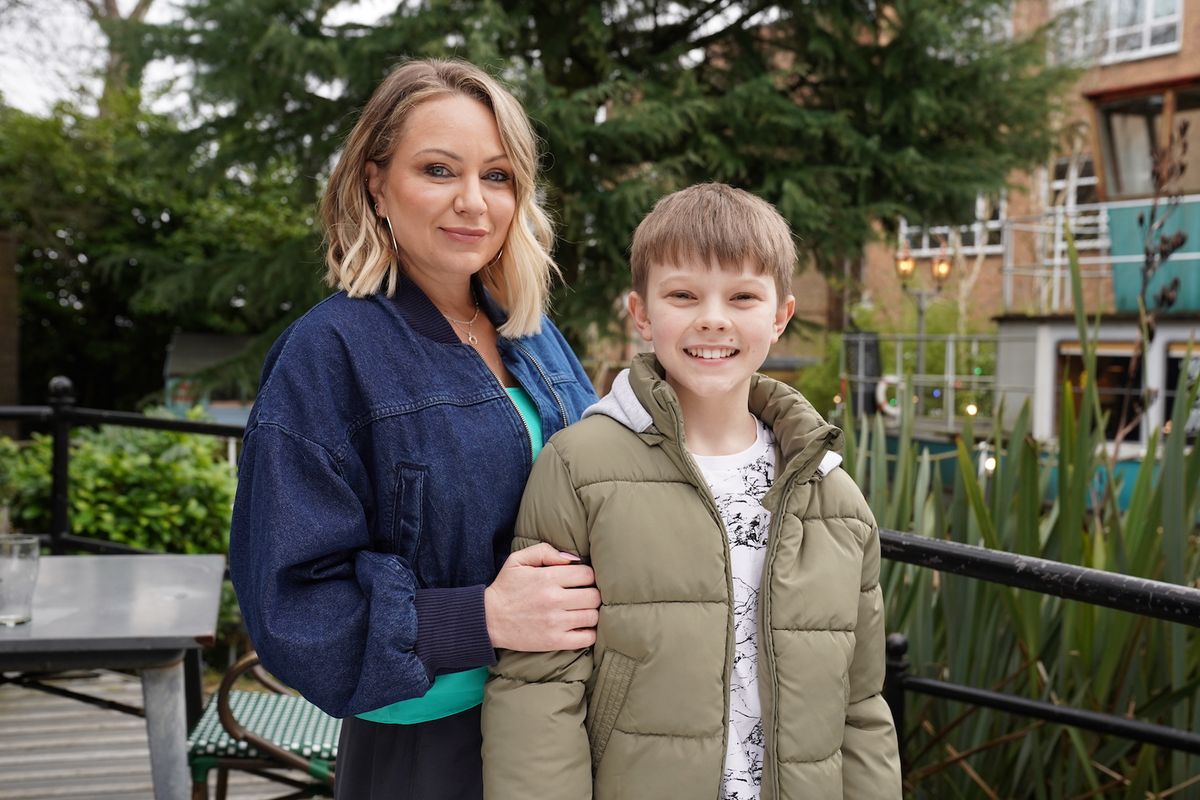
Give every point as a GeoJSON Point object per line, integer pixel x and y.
{"type": "Point", "coordinates": [844, 113]}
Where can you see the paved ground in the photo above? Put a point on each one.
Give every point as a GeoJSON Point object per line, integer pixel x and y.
{"type": "Point", "coordinates": [54, 748]}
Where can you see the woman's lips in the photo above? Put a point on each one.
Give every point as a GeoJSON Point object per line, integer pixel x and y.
{"type": "Point", "coordinates": [467, 235]}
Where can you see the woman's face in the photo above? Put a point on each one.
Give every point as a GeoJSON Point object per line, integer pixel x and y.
{"type": "Point", "coordinates": [448, 191]}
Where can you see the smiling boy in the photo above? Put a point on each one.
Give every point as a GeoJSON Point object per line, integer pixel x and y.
{"type": "Point", "coordinates": [739, 650]}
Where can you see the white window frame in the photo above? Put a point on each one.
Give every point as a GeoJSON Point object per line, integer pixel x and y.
{"type": "Point", "coordinates": [1094, 36]}
{"type": "Point", "coordinates": [935, 239]}
{"type": "Point", "coordinates": [1090, 224]}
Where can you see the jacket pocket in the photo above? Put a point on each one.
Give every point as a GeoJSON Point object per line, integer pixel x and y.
{"type": "Point", "coordinates": [608, 696]}
{"type": "Point", "coordinates": [408, 500]}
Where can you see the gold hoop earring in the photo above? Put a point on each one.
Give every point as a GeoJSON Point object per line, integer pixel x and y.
{"type": "Point", "coordinates": [392, 233]}
{"type": "Point", "coordinates": [495, 260]}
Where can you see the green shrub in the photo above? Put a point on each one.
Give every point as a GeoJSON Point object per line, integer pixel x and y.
{"type": "Point", "coordinates": [157, 490]}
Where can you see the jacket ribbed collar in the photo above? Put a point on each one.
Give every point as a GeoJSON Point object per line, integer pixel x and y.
{"type": "Point", "coordinates": [424, 318]}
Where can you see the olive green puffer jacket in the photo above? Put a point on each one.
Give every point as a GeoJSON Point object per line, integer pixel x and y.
{"type": "Point", "coordinates": [644, 713]}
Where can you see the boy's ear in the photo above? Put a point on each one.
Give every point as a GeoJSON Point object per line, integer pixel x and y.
{"type": "Point", "coordinates": [641, 320]}
{"type": "Point", "coordinates": [783, 314]}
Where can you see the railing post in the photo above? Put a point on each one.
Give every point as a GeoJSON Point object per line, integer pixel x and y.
{"type": "Point", "coordinates": [62, 399]}
{"type": "Point", "coordinates": [893, 688]}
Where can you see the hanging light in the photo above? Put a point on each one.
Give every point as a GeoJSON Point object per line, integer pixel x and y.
{"type": "Point", "coordinates": [905, 264]}
{"type": "Point", "coordinates": [940, 268]}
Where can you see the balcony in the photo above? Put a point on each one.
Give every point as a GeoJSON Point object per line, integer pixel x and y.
{"type": "Point", "coordinates": [1110, 242]}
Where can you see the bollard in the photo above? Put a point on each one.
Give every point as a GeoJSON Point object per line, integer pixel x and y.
{"type": "Point", "coordinates": [893, 688]}
{"type": "Point", "coordinates": [62, 400]}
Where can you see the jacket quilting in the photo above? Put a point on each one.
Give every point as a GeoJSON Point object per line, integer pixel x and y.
{"type": "Point", "coordinates": [633, 504]}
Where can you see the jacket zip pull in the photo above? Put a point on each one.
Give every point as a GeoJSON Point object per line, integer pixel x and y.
{"type": "Point", "coordinates": [562, 409]}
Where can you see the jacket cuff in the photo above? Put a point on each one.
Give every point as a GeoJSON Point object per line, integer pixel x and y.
{"type": "Point", "coordinates": [452, 630]}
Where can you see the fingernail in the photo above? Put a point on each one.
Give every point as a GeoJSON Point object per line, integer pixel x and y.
{"type": "Point", "coordinates": [571, 556]}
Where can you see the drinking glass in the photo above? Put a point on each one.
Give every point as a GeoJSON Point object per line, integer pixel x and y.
{"type": "Point", "coordinates": [18, 574]}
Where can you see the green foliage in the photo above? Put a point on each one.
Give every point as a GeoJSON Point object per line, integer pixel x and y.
{"type": "Point", "coordinates": [842, 117]}
{"type": "Point", "coordinates": [821, 382]}
{"type": "Point", "coordinates": [157, 490]}
{"type": "Point", "coordinates": [984, 635]}
{"type": "Point", "coordinates": [8, 464]}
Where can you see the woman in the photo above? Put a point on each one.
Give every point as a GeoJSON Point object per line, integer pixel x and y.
{"type": "Point", "coordinates": [394, 429]}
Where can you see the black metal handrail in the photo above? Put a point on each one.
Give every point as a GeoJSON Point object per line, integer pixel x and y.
{"type": "Point", "coordinates": [1165, 601]}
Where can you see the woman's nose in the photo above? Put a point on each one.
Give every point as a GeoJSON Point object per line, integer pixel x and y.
{"type": "Point", "coordinates": [469, 200]}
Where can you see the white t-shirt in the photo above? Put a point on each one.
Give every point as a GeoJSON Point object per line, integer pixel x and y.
{"type": "Point", "coordinates": [738, 483]}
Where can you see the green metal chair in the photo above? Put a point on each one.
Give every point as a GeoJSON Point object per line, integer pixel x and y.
{"type": "Point", "coordinates": [263, 733]}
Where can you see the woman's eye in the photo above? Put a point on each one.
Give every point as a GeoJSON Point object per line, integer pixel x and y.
{"type": "Point", "coordinates": [497, 175]}
{"type": "Point", "coordinates": [437, 171]}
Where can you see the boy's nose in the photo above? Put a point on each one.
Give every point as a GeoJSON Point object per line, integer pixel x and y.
{"type": "Point", "coordinates": [710, 321]}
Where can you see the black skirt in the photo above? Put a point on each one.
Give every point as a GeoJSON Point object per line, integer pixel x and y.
{"type": "Point", "coordinates": [436, 760]}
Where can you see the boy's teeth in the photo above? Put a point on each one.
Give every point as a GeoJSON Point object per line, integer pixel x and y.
{"type": "Point", "coordinates": [711, 352]}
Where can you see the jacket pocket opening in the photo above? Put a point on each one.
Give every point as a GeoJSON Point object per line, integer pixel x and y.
{"type": "Point", "coordinates": [608, 697]}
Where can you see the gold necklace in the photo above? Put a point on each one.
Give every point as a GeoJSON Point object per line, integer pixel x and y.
{"type": "Point", "coordinates": [472, 339]}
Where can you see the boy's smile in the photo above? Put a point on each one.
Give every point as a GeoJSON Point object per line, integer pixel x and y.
{"type": "Point", "coordinates": [711, 328]}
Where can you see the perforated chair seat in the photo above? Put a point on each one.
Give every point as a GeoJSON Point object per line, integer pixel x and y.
{"type": "Point", "coordinates": [269, 734]}
{"type": "Point", "coordinates": [291, 722]}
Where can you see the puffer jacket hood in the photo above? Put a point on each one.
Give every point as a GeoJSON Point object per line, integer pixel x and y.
{"type": "Point", "coordinates": [809, 444]}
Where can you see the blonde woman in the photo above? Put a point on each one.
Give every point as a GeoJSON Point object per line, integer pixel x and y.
{"type": "Point", "coordinates": [395, 427]}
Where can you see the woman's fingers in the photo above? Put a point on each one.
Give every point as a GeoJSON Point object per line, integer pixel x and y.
{"type": "Point", "coordinates": [541, 555]}
{"type": "Point", "coordinates": [534, 606]}
{"type": "Point", "coordinates": [586, 598]}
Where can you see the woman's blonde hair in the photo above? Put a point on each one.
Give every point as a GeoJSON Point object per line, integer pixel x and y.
{"type": "Point", "coordinates": [358, 251]}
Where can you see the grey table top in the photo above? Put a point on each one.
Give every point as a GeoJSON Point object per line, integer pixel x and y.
{"type": "Point", "coordinates": [115, 603]}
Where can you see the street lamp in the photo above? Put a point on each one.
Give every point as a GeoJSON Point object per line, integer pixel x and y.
{"type": "Point", "coordinates": [906, 267]}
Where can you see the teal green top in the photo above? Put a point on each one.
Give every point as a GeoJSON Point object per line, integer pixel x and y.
{"type": "Point", "coordinates": [455, 692]}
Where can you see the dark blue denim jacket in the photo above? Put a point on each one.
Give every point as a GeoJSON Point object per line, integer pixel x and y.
{"type": "Point", "coordinates": [381, 475]}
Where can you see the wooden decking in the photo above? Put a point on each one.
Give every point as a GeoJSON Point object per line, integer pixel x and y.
{"type": "Point", "coordinates": [55, 748]}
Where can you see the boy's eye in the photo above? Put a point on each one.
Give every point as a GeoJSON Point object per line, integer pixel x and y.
{"type": "Point", "coordinates": [744, 297]}
{"type": "Point", "coordinates": [679, 294]}
{"type": "Point", "coordinates": [438, 171]}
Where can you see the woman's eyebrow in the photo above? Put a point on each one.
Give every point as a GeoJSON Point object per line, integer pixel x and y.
{"type": "Point", "coordinates": [455, 156]}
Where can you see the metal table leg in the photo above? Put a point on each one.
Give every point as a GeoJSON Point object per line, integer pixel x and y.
{"type": "Point", "coordinates": [163, 693]}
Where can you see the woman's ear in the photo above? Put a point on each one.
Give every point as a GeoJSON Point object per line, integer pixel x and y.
{"type": "Point", "coordinates": [374, 183]}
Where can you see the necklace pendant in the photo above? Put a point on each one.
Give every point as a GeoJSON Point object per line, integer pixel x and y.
{"type": "Point", "coordinates": [472, 339]}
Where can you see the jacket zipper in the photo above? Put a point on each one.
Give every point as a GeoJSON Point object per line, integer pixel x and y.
{"type": "Point", "coordinates": [562, 409]}
{"type": "Point", "coordinates": [706, 494]}
{"type": "Point", "coordinates": [766, 650]}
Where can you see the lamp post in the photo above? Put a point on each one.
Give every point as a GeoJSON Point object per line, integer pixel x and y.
{"type": "Point", "coordinates": [939, 268]}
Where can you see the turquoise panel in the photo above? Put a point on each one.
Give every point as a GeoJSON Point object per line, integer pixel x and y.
{"type": "Point", "coordinates": [1127, 240]}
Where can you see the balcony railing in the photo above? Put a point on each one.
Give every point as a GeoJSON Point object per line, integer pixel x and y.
{"type": "Point", "coordinates": [1036, 266]}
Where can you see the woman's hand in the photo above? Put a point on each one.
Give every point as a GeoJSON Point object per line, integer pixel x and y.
{"type": "Point", "coordinates": [542, 600]}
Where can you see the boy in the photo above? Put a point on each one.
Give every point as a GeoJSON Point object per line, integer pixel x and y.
{"type": "Point", "coordinates": [736, 562]}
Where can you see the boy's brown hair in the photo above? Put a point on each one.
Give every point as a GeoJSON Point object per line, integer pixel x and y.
{"type": "Point", "coordinates": [714, 223]}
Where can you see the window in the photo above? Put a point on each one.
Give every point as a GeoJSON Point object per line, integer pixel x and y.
{"type": "Point", "coordinates": [1110, 31]}
{"type": "Point", "coordinates": [1132, 129]}
{"type": "Point", "coordinates": [984, 235]}
{"type": "Point", "coordinates": [1177, 361]}
{"type": "Point", "coordinates": [1071, 184]}
{"type": "Point", "coordinates": [1120, 392]}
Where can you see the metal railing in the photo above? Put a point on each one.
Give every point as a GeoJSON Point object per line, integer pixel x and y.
{"type": "Point", "coordinates": [1170, 602]}
{"type": "Point", "coordinates": [1147, 598]}
{"type": "Point", "coordinates": [968, 363]}
{"type": "Point", "coordinates": [1036, 269]}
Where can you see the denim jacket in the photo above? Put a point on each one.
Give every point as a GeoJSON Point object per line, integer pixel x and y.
{"type": "Point", "coordinates": [380, 479]}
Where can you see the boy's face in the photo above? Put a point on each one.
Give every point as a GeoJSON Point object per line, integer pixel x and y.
{"type": "Point", "coordinates": [711, 328]}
